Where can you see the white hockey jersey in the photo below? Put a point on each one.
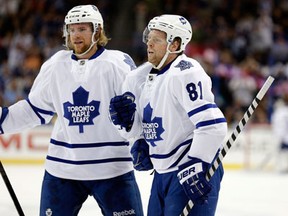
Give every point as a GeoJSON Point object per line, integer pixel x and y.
{"type": "Point", "coordinates": [279, 121]}
{"type": "Point", "coordinates": [176, 113]}
{"type": "Point", "coordinates": [84, 143]}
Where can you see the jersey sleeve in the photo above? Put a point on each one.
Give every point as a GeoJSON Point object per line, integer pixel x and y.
{"type": "Point", "coordinates": [40, 94]}
{"type": "Point", "coordinates": [134, 83]}
{"type": "Point", "coordinates": [37, 110]}
{"type": "Point", "coordinates": [192, 90]}
{"type": "Point", "coordinates": [123, 67]}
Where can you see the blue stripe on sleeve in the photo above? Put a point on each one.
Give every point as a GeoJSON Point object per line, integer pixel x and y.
{"type": "Point", "coordinates": [4, 113]}
{"type": "Point", "coordinates": [184, 153]}
{"type": "Point", "coordinates": [163, 156]}
{"type": "Point", "coordinates": [200, 109]}
{"type": "Point", "coordinates": [38, 111]}
{"type": "Point", "coordinates": [210, 122]}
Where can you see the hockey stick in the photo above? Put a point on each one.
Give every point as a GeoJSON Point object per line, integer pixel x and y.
{"type": "Point", "coordinates": [11, 191]}
{"type": "Point", "coordinates": [233, 137]}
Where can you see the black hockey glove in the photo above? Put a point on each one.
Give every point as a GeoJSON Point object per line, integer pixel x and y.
{"type": "Point", "coordinates": [140, 155]}
{"type": "Point", "coordinates": [122, 109]}
{"type": "Point", "coordinates": [192, 177]}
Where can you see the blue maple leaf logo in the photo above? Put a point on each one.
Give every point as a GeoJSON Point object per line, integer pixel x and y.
{"type": "Point", "coordinates": [128, 60]}
{"type": "Point", "coordinates": [152, 128]}
{"type": "Point", "coordinates": [183, 65]}
{"type": "Point", "coordinates": [81, 112]}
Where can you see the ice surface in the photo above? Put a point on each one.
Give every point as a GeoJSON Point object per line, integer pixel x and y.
{"type": "Point", "coordinates": [243, 193]}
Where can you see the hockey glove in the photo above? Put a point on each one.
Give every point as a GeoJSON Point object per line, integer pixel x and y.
{"type": "Point", "coordinates": [140, 155]}
{"type": "Point", "coordinates": [193, 179]}
{"type": "Point", "coordinates": [122, 109]}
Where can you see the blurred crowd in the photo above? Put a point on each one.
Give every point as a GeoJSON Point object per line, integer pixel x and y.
{"type": "Point", "coordinates": [238, 42]}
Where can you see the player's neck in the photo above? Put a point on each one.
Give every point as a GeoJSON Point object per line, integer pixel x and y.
{"type": "Point", "coordinates": [169, 59]}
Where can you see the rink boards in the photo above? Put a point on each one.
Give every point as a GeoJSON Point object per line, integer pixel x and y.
{"type": "Point", "coordinates": [255, 148]}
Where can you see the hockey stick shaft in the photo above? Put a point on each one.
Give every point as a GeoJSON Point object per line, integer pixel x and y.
{"type": "Point", "coordinates": [233, 137]}
{"type": "Point", "coordinates": [11, 191]}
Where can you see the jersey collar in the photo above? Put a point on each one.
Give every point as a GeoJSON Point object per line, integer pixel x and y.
{"type": "Point", "coordinates": [95, 55]}
{"type": "Point", "coordinates": [163, 70]}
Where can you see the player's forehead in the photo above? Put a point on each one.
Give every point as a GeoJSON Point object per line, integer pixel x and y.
{"type": "Point", "coordinates": [154, 33]}
{"type": "Point", "coordinates": [79, 25]}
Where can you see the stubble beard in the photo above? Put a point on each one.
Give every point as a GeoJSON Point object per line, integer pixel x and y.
{"type": "Point", "coordinates": [81, 50]}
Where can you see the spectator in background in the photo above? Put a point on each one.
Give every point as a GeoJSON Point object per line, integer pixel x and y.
{"type": "Point", "coordinates": [13, 91]}
{"type": "Point", "coordinates": [280, 129]}
{"type": "Point", "coordinates": [140, 16]}
{"type": "Point", "coordinates": [243, 87]}
{"type": "Point", "coordinates": [279, 49]}
{"type": "Point", "coordinates": [261, 37]}
{"type": "Point", "coordinates": [230, 26]}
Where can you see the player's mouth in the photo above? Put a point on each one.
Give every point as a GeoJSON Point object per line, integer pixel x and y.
{"type": "Point", "coordinates": [149, 52]}
{"type": "Point", "coordinates": [78, 42]}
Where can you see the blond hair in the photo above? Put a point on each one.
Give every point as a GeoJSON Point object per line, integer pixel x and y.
{"type": "Point", "coordinates": [103, 39]}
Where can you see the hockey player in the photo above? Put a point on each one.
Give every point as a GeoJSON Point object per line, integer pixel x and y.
{"type": "Point", "coordinates": [183, 128]}
{"type": "Point", "coordinates": [87, 155]}
{"type": "Point", "coordinates": [279, 123]}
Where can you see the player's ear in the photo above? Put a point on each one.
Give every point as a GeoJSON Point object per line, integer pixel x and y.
{"type": "Point", "coordinates": [175, 45]}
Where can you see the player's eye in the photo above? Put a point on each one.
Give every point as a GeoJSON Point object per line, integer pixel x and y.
{"type": "Point", "coordinates": [81, 30]}
{"type": "Point", "coordinates": [78, 30]}
{"type": "Point", "coordinates": [154, 40]}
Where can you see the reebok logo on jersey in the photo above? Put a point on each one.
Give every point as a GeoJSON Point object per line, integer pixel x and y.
{"type": "Point", "coordinates": [81, 113]}
{"type": "Point", "coordinates": [125, 212]}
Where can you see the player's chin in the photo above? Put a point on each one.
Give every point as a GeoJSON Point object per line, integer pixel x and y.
{"type": "Point", "coordinates": [79, 51]}
{"type": "Point", "coordinates": [79, 48]}
{"type": "Point", "coordinates": [152, 60]}
{"type": "Point", "coordinates": [149, 57]}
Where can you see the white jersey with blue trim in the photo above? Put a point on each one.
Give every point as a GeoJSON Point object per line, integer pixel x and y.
{"type": "Point", "coordinates": [177, 112]}
{"type": "Point", "coordinates": [84, 143]}
{"type": "Point", "coordinates": [279, 121]}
